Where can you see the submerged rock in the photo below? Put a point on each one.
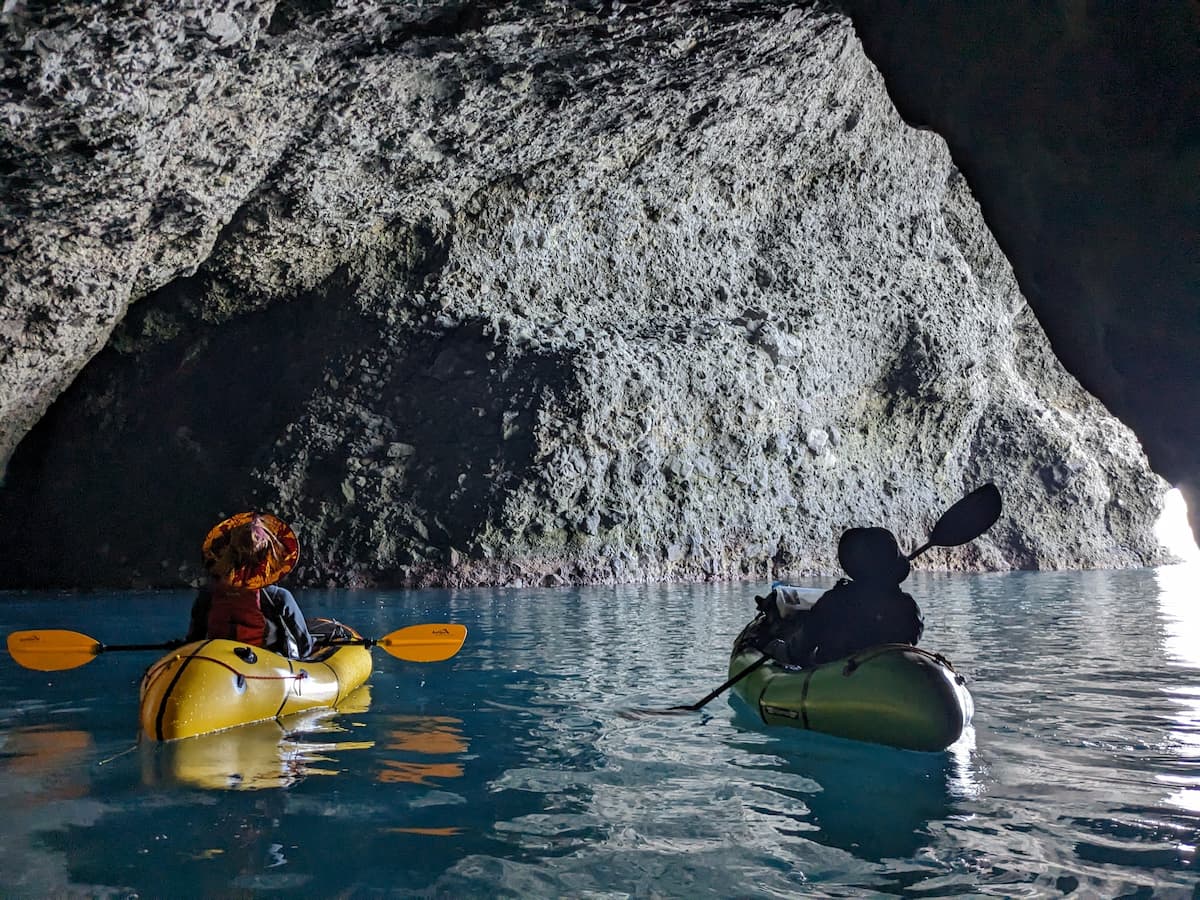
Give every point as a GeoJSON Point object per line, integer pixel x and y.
{"type": "Point", "coordinates": [517, 295]}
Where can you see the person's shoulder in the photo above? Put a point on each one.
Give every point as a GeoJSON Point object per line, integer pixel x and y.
{"type": "Point", "coordinates": [833, 595]}
{"type": "Point", "coordinates": [843, 586]}
{"type": "Point", "coordinates": [277, 593]}
{"type": "Point", "coordinates": [287, 596]}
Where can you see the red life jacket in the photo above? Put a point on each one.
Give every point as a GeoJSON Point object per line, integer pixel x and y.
{"type": "Point", "coordinates": [236, 615]}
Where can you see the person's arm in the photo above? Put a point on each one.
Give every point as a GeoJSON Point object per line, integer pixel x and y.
{"type": "Point", "coordinates": [916, 620]}
{"type": "Point", "coordinates": [198, 624]}
{"type": "Point", "coordinates": [292, 619]}
{"type": "Point", "coordinates": [814, 628]}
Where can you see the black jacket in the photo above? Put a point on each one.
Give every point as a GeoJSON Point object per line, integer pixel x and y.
{"type": "Point", "coordinates": [855, 615]}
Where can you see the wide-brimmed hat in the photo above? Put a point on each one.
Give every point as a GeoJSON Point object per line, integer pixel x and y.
{"type": "Point", "coordinates": [872, 554]}
{"type": "Point", "coordinates": [250, 550]}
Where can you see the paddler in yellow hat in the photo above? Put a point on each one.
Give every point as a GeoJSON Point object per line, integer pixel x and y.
{"type": "Point", "coordinates": [244, 556]}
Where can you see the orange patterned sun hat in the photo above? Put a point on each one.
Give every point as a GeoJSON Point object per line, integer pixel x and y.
{"type": "Point", "coordinates": [250, 550]}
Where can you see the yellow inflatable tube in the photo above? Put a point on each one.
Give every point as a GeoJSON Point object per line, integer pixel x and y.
{"type": "Point", "coordinates": [213, 685]}
{"type": "Point", "coordinates": [272, 754]}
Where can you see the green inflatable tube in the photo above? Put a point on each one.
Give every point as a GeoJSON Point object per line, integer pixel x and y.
{"type": "Point", "coordinates": [893, 694]}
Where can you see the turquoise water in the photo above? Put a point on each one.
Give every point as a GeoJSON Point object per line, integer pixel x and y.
{"type": "Point", "coordinates": [517, 770]}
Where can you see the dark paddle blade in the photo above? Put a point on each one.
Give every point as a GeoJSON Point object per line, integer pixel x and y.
{"type": "Point", "coordinates": [965, 520]}
{"type": "Point", "coordinates": [968, 518]}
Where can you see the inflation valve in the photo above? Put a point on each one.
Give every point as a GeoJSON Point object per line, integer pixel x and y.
{"type": "Point", "coordinates": [245, 654]}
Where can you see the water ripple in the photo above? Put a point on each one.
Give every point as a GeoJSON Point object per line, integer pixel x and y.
{"type": "Point", "coordinates": [521, 768]}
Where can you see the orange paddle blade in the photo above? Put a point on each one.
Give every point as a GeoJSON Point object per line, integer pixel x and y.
{"type": "Point", "coordinates": [424, 643]}
{"type": "Point", "coordinates": [52, 650]}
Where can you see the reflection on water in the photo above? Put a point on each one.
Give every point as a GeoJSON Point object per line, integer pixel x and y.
{"type": "Point", "coordinates": [510, 771]}
{"type": "Point", "coordinates": [52, 760]}
{"type": "Point", "coordinates": [422, 737]}
{"type": "Point", "coordinates": [1179, 606]}
{"type": "Point", "coordinates": [45, 783]}
{"type": "Point", "coordinates": [419, 750]}
{"type": "Point", "coordinates": [872, 801]}
{"type": "Point", "coordinates": [274, 754]}
{"type": "Point", "coordinates": [428, 832]}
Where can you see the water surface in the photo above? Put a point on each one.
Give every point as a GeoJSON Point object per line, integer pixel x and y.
{"type": "Point", "coordinates": [516, 769]}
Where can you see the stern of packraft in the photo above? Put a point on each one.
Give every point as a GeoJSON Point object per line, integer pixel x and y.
{"type": "Point", "coordinates": [894, 694]}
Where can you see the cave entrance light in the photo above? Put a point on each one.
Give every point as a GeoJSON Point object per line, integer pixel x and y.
{"type": "Point", "coordinates": [1172, 528]}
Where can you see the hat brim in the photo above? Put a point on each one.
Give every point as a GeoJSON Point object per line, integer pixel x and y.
{"type": "Point", "coordinates": [279, 560]}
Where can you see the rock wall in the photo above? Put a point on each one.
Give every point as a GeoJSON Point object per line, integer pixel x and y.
{"type": "Point", "coordinates": [519, 293]}
{"type": "Point", "coordinates": [1076, 126]}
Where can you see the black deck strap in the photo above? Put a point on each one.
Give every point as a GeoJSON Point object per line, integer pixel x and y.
{"type": "Point", "coordinates": [808, 676]}
{"type": "Point", "coordinates": [337, 697]}
{"type": "Point", "coordinates": [959, 678]}
{"type": "Point", "coordinates": [854, 662]}
{"type": "Point", "coordinates": [153, 673]}
{"type": "Point", "coordinates": [763, 707]}
{"type": "Point", "coordinates": [937, 657]}
{"type": "Point", "coordinates": [162, 706]}
{"type": "Point", "coordinates": [287, 693]}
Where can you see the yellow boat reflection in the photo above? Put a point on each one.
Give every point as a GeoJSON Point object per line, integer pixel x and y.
{"type": "Point", "coordinates": [273, 754]}
{"type": "Point", "coordinates": [279, 753]}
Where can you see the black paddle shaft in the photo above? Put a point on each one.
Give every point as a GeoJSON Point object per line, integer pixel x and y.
{"type": "Point", "coordinates": [753, 667]}
{"type": "Point", "coordinates": [169, 645]}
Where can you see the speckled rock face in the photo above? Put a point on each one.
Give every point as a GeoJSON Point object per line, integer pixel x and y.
{"type": "Point", "coordinates": [529, 294]}
{"type": "Point", "coordinates": [1075, 124]}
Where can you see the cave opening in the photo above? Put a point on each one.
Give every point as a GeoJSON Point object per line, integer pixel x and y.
{"type": "Point", "coordinates": [1173, 530]}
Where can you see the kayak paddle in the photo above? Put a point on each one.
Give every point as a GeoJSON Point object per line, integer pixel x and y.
{"type": "Point", "coordinates": [53, 650]}
{"type": "Point", "coordinates": [965, 520]}
{"type": "Point", "coordinates": [417, 643]}
{"type": "Point", "coordinates": [961, 523]}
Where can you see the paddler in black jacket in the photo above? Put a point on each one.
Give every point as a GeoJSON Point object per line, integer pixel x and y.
{"type": "Point", "coordinates": [859, 612]}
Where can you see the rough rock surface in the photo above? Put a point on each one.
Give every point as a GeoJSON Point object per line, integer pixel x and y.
{"type": "Point", "coordinates": [513, 292]}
